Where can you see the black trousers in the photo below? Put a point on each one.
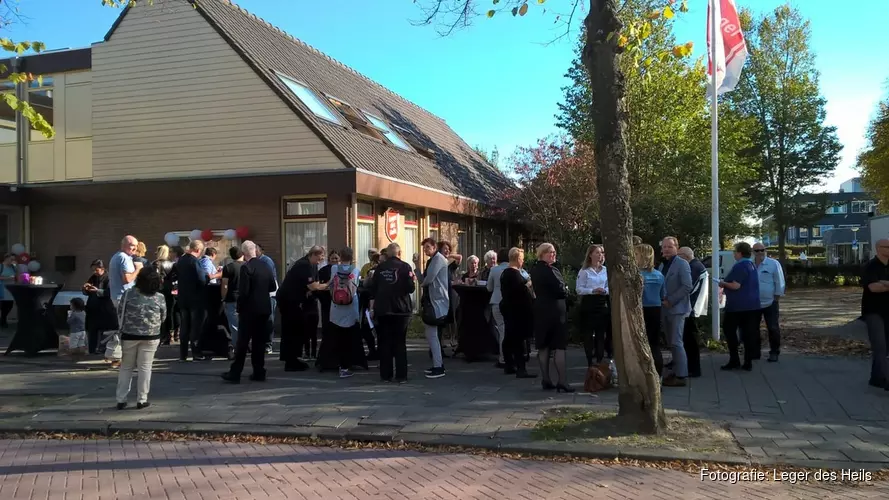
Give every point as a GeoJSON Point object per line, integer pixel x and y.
{"type": "Point", "coordinates": [168, 322]}
{"type": "Point", "coordinates": [692, 349]}
{"type": "Point", "coordinates": [193, 319]}
{"type": "Point", "coordinates": [516, 328]}
{"type": "Point", "coordinates": [251, 327]}
{"type": "Point", "coordinates": [770, 314]}
{"type": "Point", "coordinates": [392, 333]}
{"type": "Point", "coordinates": [652, 318]}
{"type": "Point", "coordinates": [5, 307]}
{"type": "Point", "coordinates": [738, 327]}
{"type": "Point", "coordinates": [343, 339]}
{"type": "Point", "coordinates": [92, 339]}
{"type": "Point", "coordinates": [295, 324]}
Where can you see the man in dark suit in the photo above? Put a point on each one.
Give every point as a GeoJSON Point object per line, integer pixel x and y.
{"type": "Point", "coordinates": [191, 298]}
{"type": "Point", "coordinates": [256, 283]}
{"type": "Point", "coordinates": [299, 308]}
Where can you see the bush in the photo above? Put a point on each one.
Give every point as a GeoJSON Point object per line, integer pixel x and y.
{"type": "Point", "coordinates": [797, 275]}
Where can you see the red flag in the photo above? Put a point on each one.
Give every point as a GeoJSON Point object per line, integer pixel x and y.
{"type": "Point", "coordinates": [731, 49]}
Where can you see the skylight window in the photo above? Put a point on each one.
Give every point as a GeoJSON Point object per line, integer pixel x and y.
{"type": "Point", "coordinates": [312, 101]}
{"type": "Point", "coordinates": [390, 134]}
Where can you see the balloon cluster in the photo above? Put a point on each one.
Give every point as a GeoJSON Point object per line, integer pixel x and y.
{"type": "Point", "coordinates": [23, 258]}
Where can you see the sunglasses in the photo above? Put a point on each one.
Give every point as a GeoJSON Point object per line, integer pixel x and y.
{"type": "Point", "coordinates": [759, 251]}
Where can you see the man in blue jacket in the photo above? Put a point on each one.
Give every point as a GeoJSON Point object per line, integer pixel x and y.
{"type": "Point", "coordinates": [676, 307]}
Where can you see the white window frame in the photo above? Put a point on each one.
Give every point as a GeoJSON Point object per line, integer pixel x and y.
{"type": "Point", "coordinates": [388, 132]}
{"type": "Point", "coordinates": [332, 116]}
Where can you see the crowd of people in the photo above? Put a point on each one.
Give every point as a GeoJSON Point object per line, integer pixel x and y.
{"type": "Point", "coordinates": [134, 305]}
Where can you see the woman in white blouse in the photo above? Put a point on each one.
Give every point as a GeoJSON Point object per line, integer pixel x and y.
{"type": "Point", "coordinates": [592, 287]}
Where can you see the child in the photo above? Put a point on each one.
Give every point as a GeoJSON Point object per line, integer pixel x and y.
{"type": "Point", "coordinates": [77, 327]}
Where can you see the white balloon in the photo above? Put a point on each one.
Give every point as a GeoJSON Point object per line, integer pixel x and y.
{"type": "Point", "coordinates": [230, 234]}
{"type": "Point", "coordinates": [33, 266]}
{"type": "Point", "coordinates": [18, 249]}
{"type": "Point", "coordinates": [195, 235]}
{"type": "Point", "coordinates": [171, 239]}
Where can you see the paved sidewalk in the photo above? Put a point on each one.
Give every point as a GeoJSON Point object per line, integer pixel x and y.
{"type": "Point", "coordinates": [108, 469]}
{"type": "Point", "coordinates": [813, 411]}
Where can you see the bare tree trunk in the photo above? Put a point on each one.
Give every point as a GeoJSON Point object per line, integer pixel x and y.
{"type": "Point", "coordinates": [640, 391]}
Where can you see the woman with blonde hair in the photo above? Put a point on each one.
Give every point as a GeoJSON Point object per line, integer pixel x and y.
{"type": "Point", "coordinates": [595, 313]}
{"type": "Point", "coordinates": [550, 317]}
{"type": "Point", "coordinates": [516, 307]}
{"type": "Point", "coordinates": [164, 267]}
{"type": "Point", "coordinates": [139, 254]}
{"type": "Point", "coordinates": [653, 294]}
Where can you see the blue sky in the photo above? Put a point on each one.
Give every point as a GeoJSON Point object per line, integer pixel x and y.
{"type": "Point", "coordinates": [498, 82]}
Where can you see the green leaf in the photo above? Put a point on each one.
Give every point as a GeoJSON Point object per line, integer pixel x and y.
{"type": "Point", "coordinates": [668, 12]}
{"type": "Point", "coordinates": [541, 1]}
{"type": "Point", "coordinates": [38, 46]}
{"type": "Point", "coordinates": [515, 11]}
{"type": "Point", "coordinates": [496, 2]}
{"type": "Point", "coordinates": [491, 13]}
{"type": "Point", "coordinates": [645, 31]}
{"type": "Point", "coordinates": [610, 36]}
{"type": "Point", "coordinates": [7, 44]}
{"type": "Point", "coordinates": [683, 7]}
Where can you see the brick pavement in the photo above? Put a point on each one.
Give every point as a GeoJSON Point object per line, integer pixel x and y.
{"type": "Point", "coordinates": [113, 469]}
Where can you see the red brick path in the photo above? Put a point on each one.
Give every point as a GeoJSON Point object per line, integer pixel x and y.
{"type": "Point", "coordinates": [92, 470]}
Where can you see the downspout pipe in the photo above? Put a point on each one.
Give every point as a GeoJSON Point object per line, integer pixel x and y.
{"type": "Point", "coordinates": [20, 128]}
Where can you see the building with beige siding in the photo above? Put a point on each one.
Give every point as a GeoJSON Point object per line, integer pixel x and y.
{"type": "Point", "coordinates": [208, 117]}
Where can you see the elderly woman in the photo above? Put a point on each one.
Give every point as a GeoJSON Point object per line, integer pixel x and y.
{"type": "Point", "coordinates": [550, 317]}
{"type": "Point", "coordinates": [141, 311]}
{"type": "Point", "coordinates": [471, 274]}
{"type": "Point", "coordinates": [490, 259]}
{"type": "Point", "coordinates": [516, 307]}
{"type": "Point", "coordinates": [164, 266]}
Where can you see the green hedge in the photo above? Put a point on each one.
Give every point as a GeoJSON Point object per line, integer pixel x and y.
{"type": "Point", "coordinates": [794, 250]}
{"type": "Point", "coordinates": [822, 275]}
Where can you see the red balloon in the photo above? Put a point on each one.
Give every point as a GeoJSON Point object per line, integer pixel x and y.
{"type": "Point", "coordinates": [243, 232]}
{"type": "Point", "coordinates": [207, 235]}
{"type": "Point", "coordinates": [24, 258]}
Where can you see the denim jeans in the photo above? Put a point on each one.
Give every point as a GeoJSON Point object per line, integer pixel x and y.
{"type": "Point", "coordinates": [674, 328]}
{"type": "Point", "coordinates": [231, 314]}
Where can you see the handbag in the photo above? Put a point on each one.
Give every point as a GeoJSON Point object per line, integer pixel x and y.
{"type": "Point", "coordinates": [427, 311]}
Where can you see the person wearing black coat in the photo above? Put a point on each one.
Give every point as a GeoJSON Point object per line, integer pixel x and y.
{"type": "Point", "coordinates": [516, 307]}
{"type": "Point", "coordinates": [101, 315]}
{"type": "Point", "coordinates": [164, 267]}
{"type": "Point", "coordinates": [299, 310]}
{"type": "Point", "coordinates": [550, 317]}
{"type": "Point", "coordinates": [192, 298]}
{"type": "Point", "coordinates": [391, 289]}
{"type": "Point", "coordinates": [256, 283]}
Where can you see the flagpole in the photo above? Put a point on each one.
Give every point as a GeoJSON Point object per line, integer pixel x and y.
{"type": "Point", "coordinates": [714, 170]}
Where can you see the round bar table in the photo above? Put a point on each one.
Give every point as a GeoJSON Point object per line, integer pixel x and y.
{"type": "Point", "coordinates": [35, 331]}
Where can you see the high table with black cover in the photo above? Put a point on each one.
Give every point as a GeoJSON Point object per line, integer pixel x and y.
{"type": "Point", "coordinates": [215, 341]}
{"type": "Point", "coordinates": [475, 339]}
{"type": "Point", "coordinates": [35, 331]}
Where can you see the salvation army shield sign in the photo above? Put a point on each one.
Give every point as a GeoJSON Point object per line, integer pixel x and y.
{"type": "Point", "coordinates": [391, 224]}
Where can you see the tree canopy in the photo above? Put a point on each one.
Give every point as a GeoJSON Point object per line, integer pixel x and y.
{"type": "Point", "coordinates": [793, 149]}
{"type": "Point", "coordinates": [874, 160]}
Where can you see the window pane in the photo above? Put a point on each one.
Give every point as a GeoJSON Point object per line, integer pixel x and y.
{"type": "Point", "coordinates": [410, 215]}
{"type": "Point", "coordinates": [311, 100]}
{"type": "Point", "coordinates": [313, 207]}
{"type": "Point", "coordinates": [433, 220]}
{"type": "Point", "coordinates": [299, 237]}
{"type": "Point", "coordinates": [364, 241]}
{"type": "Point", "coordinates": [394, 138]}
{"type": "Point", "coordinates": [365, 209]}
{"type": "Point", "coordinates": [42, 102]}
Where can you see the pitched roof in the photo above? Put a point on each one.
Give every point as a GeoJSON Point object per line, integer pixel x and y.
{"type": "Point", "coordinates": [457, 168]}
